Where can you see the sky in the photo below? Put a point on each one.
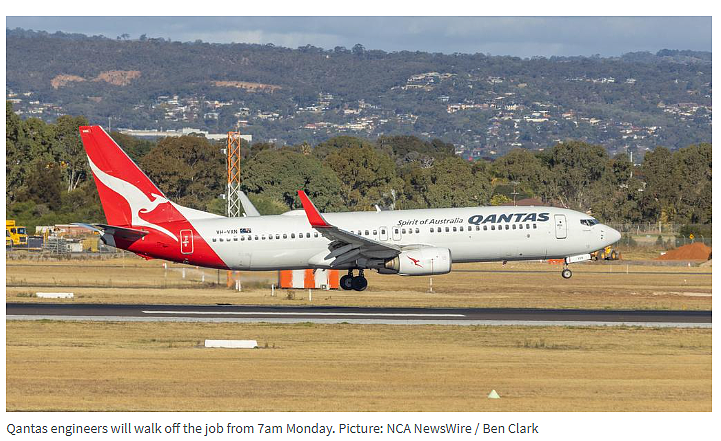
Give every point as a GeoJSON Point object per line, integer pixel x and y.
{"type": "Point", "coordinates": [516, 36]}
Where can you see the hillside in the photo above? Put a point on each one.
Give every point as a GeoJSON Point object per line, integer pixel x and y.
{"type": "Point", "coordinates": [485, 105]}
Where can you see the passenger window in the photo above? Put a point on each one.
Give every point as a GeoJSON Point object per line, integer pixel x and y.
{"type": "Point", "coordinates": [242, 238]}
{"type": "Point", "coordinates": [508, 227]}
{"type": "Point", "coordinates": [514, 226]}
{"type": "Point", "coordinates": [493, 227]}
{"type": "Point", "coordinates": [262, 237]}
{"type": "Point", "coordinates": [285, 236]}
{"type": "Point", "coordinates": [383, 231]}
{"type": "Point", "coordinates": [418, 230]}
{"type": "Point", "coordinates": [461, 227]}
{"type": "Point", "coordinates": [375, 232]}
{"type": "Point", "coordinates": [256, 237]}
{"type": "Point", "coordinates": [403, 231]}
{"type": "Point", "coordinates": [485, 228]}
{"type": "Point", "coordinates": [315, 234]}
{"type": "Point", "coordinates": [447, 229]}
{"type": "Point", "coordinates": [213, 239]}
{"type": "Point", "coordinates": [534, 226]}
{"type": "Point", "coordinates": [307, 235]}
{"type": "Point", "coordinates": [367, 234]}
{"type": "Point", "coordinates": [431, 229]}
{"type": "Point", "coordinates": [221, 239]}
{"type": "Point", "coordinates": [359, 232]}
{"type": "Point", "coordinates": [235, 239]}
{"type": "Point", "coordinates": [528, 226]}
{"type": "Point", "coordinates": [454, 229]}
{"type": "Point", "coordinates": [292, 235]}
{"type": "Point", "coordinates": [270, 237]}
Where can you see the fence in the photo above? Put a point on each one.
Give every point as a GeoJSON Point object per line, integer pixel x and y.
{"type": "Point", "coordinates": [667, 235]}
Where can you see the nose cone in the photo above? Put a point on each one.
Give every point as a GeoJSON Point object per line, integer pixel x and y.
{"type": "Point", "coordinates": [613, 235]}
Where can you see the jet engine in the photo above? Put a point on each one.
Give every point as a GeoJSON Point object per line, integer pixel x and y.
{"type": "Point", "coordinates": [420, 262]}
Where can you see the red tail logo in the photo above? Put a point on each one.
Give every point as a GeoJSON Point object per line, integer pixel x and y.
{"type": "Point", "coordinates": [133, 200]}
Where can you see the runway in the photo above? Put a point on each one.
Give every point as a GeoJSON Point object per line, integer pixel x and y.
{"type": "Point", "coordinates": [358, 315]}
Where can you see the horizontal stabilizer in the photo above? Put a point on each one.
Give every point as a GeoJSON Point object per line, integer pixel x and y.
{"type": "Point", "coordinates": [131, 234]}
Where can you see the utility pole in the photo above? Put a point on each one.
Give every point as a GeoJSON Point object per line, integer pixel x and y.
{"type": "Point", "coordinates": [233, 165]}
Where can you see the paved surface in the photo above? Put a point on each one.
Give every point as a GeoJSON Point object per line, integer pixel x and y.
{"type": "Point", "coordinates": [332, 314]}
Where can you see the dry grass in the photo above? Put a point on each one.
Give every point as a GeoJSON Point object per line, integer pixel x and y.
{"type": "Point", "coordinates": [160, 366]}
{"type": "Point", "coordinates": [133, 280]}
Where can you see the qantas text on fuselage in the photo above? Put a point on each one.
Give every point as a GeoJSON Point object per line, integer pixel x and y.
{"type": "Point", "coordinates": [141, 219]}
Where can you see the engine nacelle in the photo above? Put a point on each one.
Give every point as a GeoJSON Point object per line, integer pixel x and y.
{"type": "Point", "coordinates": [420, 262]}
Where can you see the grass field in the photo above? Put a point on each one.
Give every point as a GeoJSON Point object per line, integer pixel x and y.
{"type": "Point", "coordinates": [53, 365]}
{"type": "Point", "coordinates": [536, 285]}
{"type": "Point", "coordinates": [162, 366]}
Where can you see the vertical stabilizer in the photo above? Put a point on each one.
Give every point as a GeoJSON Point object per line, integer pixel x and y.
{"type": "Point", "coordinates": [126, 193]}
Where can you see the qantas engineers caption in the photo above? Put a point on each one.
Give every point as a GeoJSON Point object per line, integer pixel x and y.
{"type": "Point", "coordinates": [219, 430]}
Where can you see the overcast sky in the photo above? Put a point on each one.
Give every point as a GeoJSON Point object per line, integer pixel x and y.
{"type": "Point", "coordinates": [518, 36]}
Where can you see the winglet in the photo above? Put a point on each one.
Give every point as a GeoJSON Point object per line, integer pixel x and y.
{"type": "Point", "coordinates": [248, 206]}
{"type": "Point", "coordinates": [314, 217]}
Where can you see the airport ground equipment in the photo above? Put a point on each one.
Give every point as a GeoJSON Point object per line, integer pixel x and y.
{"type": "Point", "coordinates": [15, 235]}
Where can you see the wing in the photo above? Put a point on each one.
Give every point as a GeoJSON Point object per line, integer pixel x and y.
{"type": "Point", "coordinates": [345, 245]}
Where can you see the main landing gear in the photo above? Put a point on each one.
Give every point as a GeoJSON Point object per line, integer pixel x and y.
{"type": "Point", "coordinates": [357, 283]}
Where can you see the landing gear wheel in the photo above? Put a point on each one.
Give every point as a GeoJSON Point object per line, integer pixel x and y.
{"type": "Point", "coordinates": [566, 273]}
{"type": "Point", "coordinates": [359, 283]}
{"type": "Point", "coordinates": [346, 282]}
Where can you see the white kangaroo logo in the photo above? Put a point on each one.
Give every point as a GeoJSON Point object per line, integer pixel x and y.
{"type": "Point", "coordinates": [138, 201]}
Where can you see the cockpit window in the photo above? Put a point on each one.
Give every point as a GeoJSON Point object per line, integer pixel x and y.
{"type": "Point", "coordinates": [590, 222]}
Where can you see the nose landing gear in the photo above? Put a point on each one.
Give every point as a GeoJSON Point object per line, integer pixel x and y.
{"type": "Point", "coordinates": [357, 283]}
{"type": "Point", "coordinates": [566, 273]}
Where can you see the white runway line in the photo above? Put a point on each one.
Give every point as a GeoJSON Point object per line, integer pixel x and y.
{"type": "Point", "coordinates": [319, 314]}
{"type": "Point", "coordinates": [359, 321]}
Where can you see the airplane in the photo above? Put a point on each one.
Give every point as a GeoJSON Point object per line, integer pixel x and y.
{"type": "Point", "coordinates": [141, 219]}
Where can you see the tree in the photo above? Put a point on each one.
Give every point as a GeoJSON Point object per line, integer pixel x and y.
{"type": "Point", "coordinates": [522, 166]}
{"type": "Point", "coordinates": [454, 182]}
{"type": "Point", "coordinates": [338, 142]}
{"type": "Point", "coordinates": [577, 168]}
{"type": "Point", "coordinates": [70, 149]}
{"type": "Point", "coordinates": [188, 169]}
{"type": "Point", "coordinates": [661, 183]}
{"type": "Point", "coordinates": [368, 176]}
{"type": "Point", "coordinates": [277, 175]}
{"type": "Point", "coordinates": [17, 153]}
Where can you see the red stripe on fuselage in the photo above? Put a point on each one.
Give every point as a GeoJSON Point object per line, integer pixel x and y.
{"type": "Point", "coordinates": [161, 246]}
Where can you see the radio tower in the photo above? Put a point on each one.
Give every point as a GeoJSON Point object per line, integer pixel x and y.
{"type": "Point", "coordinates": [233, 196]}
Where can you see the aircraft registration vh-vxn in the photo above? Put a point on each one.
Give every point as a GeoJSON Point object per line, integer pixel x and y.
{"type": "Point", "coordinates": [406, 242]}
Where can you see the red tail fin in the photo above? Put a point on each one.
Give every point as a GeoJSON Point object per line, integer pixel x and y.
{"type": "Point", "coordinates": [125, 191]}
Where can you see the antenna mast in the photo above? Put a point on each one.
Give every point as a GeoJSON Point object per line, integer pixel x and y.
{"type": "Point", "coordinates": [233, 197]}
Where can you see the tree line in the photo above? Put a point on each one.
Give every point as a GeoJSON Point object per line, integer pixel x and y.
{"type": "Point", "coordinates": [48, 180]}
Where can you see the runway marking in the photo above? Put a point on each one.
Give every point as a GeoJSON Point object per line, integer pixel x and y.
{"type": "Point", "coordinates": [361, 321]}
{"type": "Point", "coordinates": [320, 314]}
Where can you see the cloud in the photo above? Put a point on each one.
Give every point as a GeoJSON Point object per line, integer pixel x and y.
{"type": "Point", "coordinates": [518, 36]}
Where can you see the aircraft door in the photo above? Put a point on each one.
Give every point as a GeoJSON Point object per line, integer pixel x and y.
{"type": "Point", "coordinates": [383, 233]}
{"type": "Point", "coordinates": [561, 227]}
{"type": "Point", "coordinates": [396, 233]}
{"type": "Point", "coordinates": [186, 241]}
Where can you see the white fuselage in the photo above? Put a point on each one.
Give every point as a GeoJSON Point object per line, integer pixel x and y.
{"type": "Point", "coordinates": [479, 234]}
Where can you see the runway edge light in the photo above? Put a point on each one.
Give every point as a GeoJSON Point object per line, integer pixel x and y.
{"type": "Point", "coordinates": [494, 394]}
